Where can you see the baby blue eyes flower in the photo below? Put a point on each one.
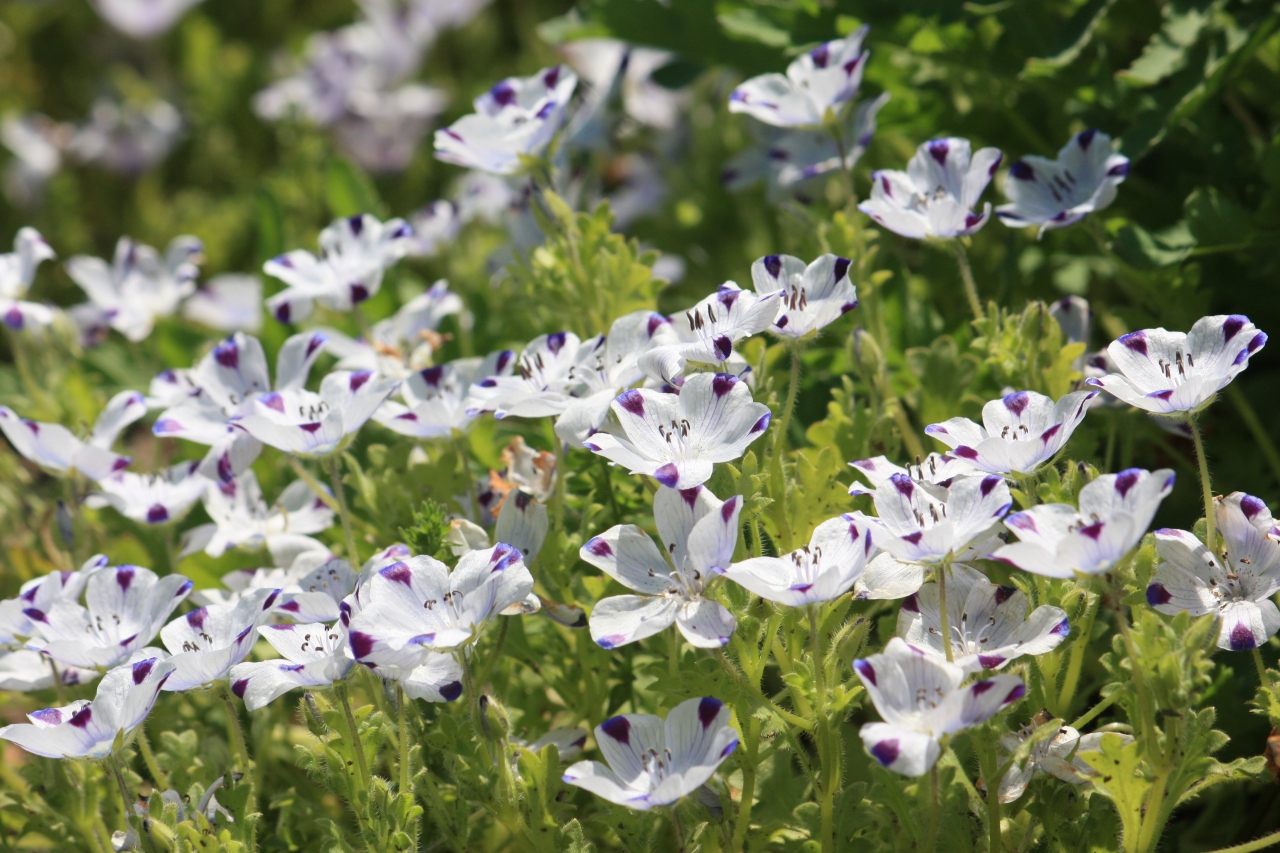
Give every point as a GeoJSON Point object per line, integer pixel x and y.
{"type": "Point", "coordinates": [306, 423]}
{"type": "Point", "coordinates": [354, 254]}
{"type": "Point", "coordinates": [813, 296]}
{"type": "Point", "coordinates": [706, 333]}
{"type": "Point", "coordinates": [315, 655]}
{"type": "Point", "coordinates": [652, 762]}
{"type": "Point", "coordinates": [1171, 373]}
{"type": "Point", "coordinates": [138, 286]}
{"type": "Point", "coordinates": [817, 84]}
{"type": "Point", "coordinates": [517, 117]}
{"type": "Point", "coordinates": [208, 641]}
{"type": "Point", "coordinates": [1235, 585]}
{"type": "Point", "coordinates": [157, 498]}
{"type": "Point", "coordinates": [59, 451]}
{"type": "Point", "coordinates": [437, 399]}
{"type": "Point", "coordinates": [1019, 432]}
{"type": "Point", "coordinates": [921, 699]}
{"type": "Point", "coordinates": [1057, 193]}
{"type": "Point", "coordinates": [1059, 541]}
{"type": "Point", "coordinates": [989, 624]}
{"type": "Point", "coordinates": [17, 272]}
{"type": "Point", "coordinates": [228, 303]}
{"type": "Point", "coordinates": [677, 438]}
{"type": "Point", "coordinates": [937, 194]}
{"type": "Point", "coordinates": [143, 19]}
{"type": "Point", "coordinates": [241, 518]}
{"type": "Point", "coordinates": [87, 729]}
{"type": "Point", "coordinates": [698, 533]}
{"type": "Point", "coordinates": [823, 570]}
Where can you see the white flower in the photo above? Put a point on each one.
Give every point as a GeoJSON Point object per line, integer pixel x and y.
{"type": "Point", "coordinates": [314, 656]}
{"type": "Point", "coordinates": [1058, 756]}
{"type": "Point", "coordinates": [698, 533]}
{"type": "Point", "coordinates": [677, 438]}
{"type": "Point", "coordinates": [152, 498]}
{"type": "Point", "coordinates": [434, 227]}
{"type": "Point", "coordinates": [57, 450]}
{"type": "Point", "coordinates": [707, 331]}
{"type": "Point", "coordinates": [1236, 584]}
{"type": "Point", "coordinates": [354, 254]}
{"type": "Point", "coordinates": [436, 398]}
{"type": "Point", "coordinates": [935, 197]}
{"type": "Point", "coordinates": [311, 589]}
{"type": "Point", "coordinates": [125, 607]}
{"type": "Point", "coordinates": [228, 303]}
{"type": "Point", "coordinates": [540, 386]}
{"type": "Point", "coordinates": [1019, 432]}
{"type": "Point", "coordinates": [241, 518]}
{"type": "Point", "coordinates": [127, 138]}
{"type": "Point", "coordinates": [813, 296]}
{"type": "Point", "coordinates": [305, 423]}
{"type": "Point", "coordinates": [208, 641]}
{"type": "Point", "coordinates": [937, 469]}
{"type": "Point", "coordinates": [143, 19]}
{"type": "Point", "coordinates": [23, 670]}
{"type": "Point", "coordinates": [920, 524]}
{"type": "Point", "coordinates": [414, 607]}
{"type": "Point", "coordinates": [1057, 541]}
{"type": "Point", "coordinates": [517, 117]}
{"type": "Point", "coordinates": [170, 388]}
{"type": "Point", "coordinates": [921, 700]}
{"type": "Point", "coordinates": [228, 378]}
{"type": "Point", "coordinates": [989, 624]}
{"type": "Point", "coordinates": [17, 272]}
{"type": "Point", "coordinates": [602, 368]}
{"type": "Point", "coordinates": [138, 286]}
{"type": "Point", "coordinates": [1172, 372]}
{"type": "Point", "coordinates": [382, 129]}
{"type": "Point", "coordinates": [20, 668]}
{"type": "Point", "coordinates": [816, 83]}
{"type": "Point", "coordinates": [609, 66]}
{"type": "Point", "coordinates": [1058, 193]}
{"type": "Point", "coordinates": [87, 729]}
{"type": "Point", "coordinates": [789, 160]}
{"type": "Point", "coordinates": [655, 763]}
{"type": "Point", "coordinates": [37, 142]}
{"type": "Point", "coordinates": [823, 570]}
{"type": "Point", "coordinates": [568, 741]}
{"type": "Point", "coordinates": [403, 342]}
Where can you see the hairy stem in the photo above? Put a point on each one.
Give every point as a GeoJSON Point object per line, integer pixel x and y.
{"type": "Point", "coordinates": [1090, 715]}
{"type": "Point", "coordinates": [935, 809]}
{"type": "Point", "coordinates": [149, 759]}
{"type": "Point", "coordinates": [1076, 662]}
{"type": "Point", "coordinates": [116, 763]}
{"type": "Point", "coordinates": [793, 389]}
{"type": "Point", "coordinates": [305, 476]}
{"type": "Point", "coordinates": [966, 275]}
{"type": "Point", "coordinates": [1262, 668]}
{"type": "Point", "coordinates": [742, 825]}
{"type": "Point", "coordinates": [238, 743]}
{"type": "Point", "coordinates": [352, 735]}
{"type": "Point", "coordinates": [1205, 485]}
{"type": "Point", "coordinates": [828, 755]}
{"type": "Point", "coordinates": [335, 479]}
{"type": "Point", "coordinates": [405, 772]}
{"type": "Point", "coordinates": [989, 764]}
{"type": "Point", "coordinates": [1251, 846]}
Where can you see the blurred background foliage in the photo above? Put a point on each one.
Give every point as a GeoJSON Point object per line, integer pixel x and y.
{"type": "Point", "coordinates": [1188, 87]}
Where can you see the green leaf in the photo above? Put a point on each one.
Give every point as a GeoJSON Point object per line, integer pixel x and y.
{"type": "Point", "coordinates": [349, 191]}
{"type": "Point", "coordinates": [1070, 40]}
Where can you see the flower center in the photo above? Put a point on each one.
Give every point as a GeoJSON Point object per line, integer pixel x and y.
{"type": "Point", "coordinates": [1178, 370]}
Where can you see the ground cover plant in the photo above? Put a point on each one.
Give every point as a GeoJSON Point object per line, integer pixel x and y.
{"type": "Point", "coordinates": [737, 426]}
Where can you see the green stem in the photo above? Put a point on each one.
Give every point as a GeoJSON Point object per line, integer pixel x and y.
{"type": "Point", "coordinates": [352, 735]}
{"type": "Point", "coordinates": [966, 275]}
{"type": "Point", "coordinates": [942, 609]}
{"type": "Point", "coordinates": [305, 476]}
{"type": "Point", "coordinates": [837, 133]}
{"type": "Point", "coordinates": [149, 759]}
{"type": "Point", "coordinates": [1148, 732]}
{"type": "Point", "coordinates": [673, 655]}
{"type": "Point", "coordinates": [405, 771]}
{"type": "Point", "coordinates": [793, 389]}
{"type": "Point", "coordinates": [335, 479]}
{"type": "Point", "coordinates": [1262, 668]}
{"type": "Point", "coordinates": [826, 753]}
{"type": "Point", "coordinates": [989, 763]}
{"type": "Point", "coordinates": [614, 512]}
{"type": "Point", "coordinates": [496, 653]}
{"type": "Point", "coordinates": [1251, 846]}
{"type": "Point", "coordinates": [238, 743]}
{"type": "Point", "coordinates": [1076, 662]}
{"type": "Point", "coordinates": [742, 825]}
{"type": "Point", "coordinates": [935, 809]}
{"type": "Point", "coordinates": [1092, 714]}
{"type": "Point", "coordinates": [675, 822]}
{"type": "Point", "coordinates": [1205, 485]}
{"type": "Point", "coordinates": [116, 763]}
{"type": "Point", "coordinates": [1256, 428]}
{"type": "Point", "coordinates": [464, 456]}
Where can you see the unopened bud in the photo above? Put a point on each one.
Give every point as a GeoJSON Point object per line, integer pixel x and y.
{"type": "Point", "coordinates": [66, 525]}
{"type": "Point", "coordinates": [314, 718]}
{"type": "Point", "coordinates": [494, 722]}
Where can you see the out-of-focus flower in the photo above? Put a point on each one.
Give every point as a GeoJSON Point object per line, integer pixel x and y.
{"type": "Point", "coordinates": [1235, 584]}
{"type": "Point", "coordinates": [1019, 432]}
{"type": "Point", "coordinates": [921, 700]}
{"type": "Point", "coordinates": [315, 655]}
{"type": "Point", "coordinates": [540, 386]}
{"type": "Point", "coordinates": [241, 518]}
{"type": "Point", "coordinates": [125, 137]}
{"type": "Point", "coordinates": [518, 117]}
{"type": "Point", "coordinates": [17, 272]}
{"type": "Point", "coordinates": [229, 303]}
{"type": "Point", "coordinates": [937, 194]}
{"type": "Point", "coordinates": [435, 398]}
{"type": "Point", "coordinates": [678, 438]}
{"type": "Point", "coordinates": [789, 160]}
{"type": "Point", "coordinates": [305, 423]}
{"type": "Point", "coordinates": [138, 286]}
{"type": "Point", "coordinates": [1170, 373]}
{"type": "Point", "coordinates": [1058, 193]}
{"type": "Point", "coordinates": [382, 130]}
{"type": "Point", "coordinates": [311, 588]}
{"type": "Point", "coordinates": [59, 451]}
{"type": "Point", "coordinates": [813, 296]}
{"type": "Point", "coordinates": [652, 762]}
{"type": "Point", "coordinates": [816, 86]}
{"type": "Point", "coordinates": [1057, 541]}
{"type": "Point", "coordinates": [354, 253]}
{"type": "Point", "coordinates": [158, 498]}
{"type": "Point", "coordinates": [606, 65]}
{"type": "Point", "coordinates": [87, 729]}
{"type": "Point", "coordinates": [698, 533]}
{"type": "Point", "coordinates": [434, 226]}
{"type": "Point", "coordinates": [404, 342]}
{"type": "Point", "coordinates": [1058, 756]}
{"type": "Point", "coordinates": [37, 143]}
{"type": "Point", "coordinates": [143, 19]}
